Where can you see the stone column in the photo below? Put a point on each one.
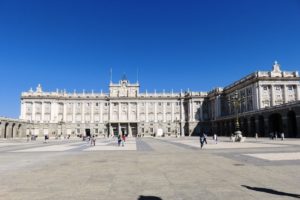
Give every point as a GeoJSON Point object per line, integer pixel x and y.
{"type": "Point", "coordinates": [101, 112]}
{"type": "Point", "coordinates": [272, 96]}
{"type": "Point", "coordinates": [155, 111]}
{"type": "Point", "coordinates": [110, 111]}
{"type": "Point", "coordinates": [33, 111]}
{"type": "Point", "coordinates": [119, 114]}
{"type": "Point", "coordinates": [173, 118]}
{"type": "Point", "coordinates": [129, 130]}
{"type": "Point", "coordinates": [128, 111]}
{"type": "Point", "coordinates": [181, 118]}
{"type": "Point", "coordinates": [64, 111]}
{"type": "Point", "coordinates": [83, 112]}
{"type": "Point", "coordinates": [137, 112]}
{"type": "Point", "coordinates": [190, 110]}
{"type": "Point", "coordinates": [73, 112]}
{"type": "Point", "coordinates": [285, 94]}
{"type": "Point", "coordinates": [42, 111]}
{"type": "Point", "coordinates": [2, 127]}
{"type": "Point", "coordinates": [298, 93]}
{"type": "Point", "coordinates": [92, 112]}
{"type": "Point", "coordinates": [164, 112]}
{"type": "Point", "coordinates": [119, 129]}
{"type": "Point", "coordinates": [146, 111]}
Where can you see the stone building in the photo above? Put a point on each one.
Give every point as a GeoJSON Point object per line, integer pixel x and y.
{"type": "Point", "coordinates": [123, 110]}
{"type": "Point", "coordinates": [269, 102]}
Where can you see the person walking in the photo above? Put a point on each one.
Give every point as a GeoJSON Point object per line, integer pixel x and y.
{"type": "Point", "coordinates": [93, 140]}
{"type": "Point", "coordinates": [27, 135]}
{"type": "Point", "coordinates": [203, 140]}
{"type": "Point", "coordinates": [215, 138]}
{"type": "Point", "coordinates": [46, 137]}
{"type": "Point", "coordinates": [256, 136]}
{"type": "Point", "coordinates": [205, 137]}
{"type": "Point", "coordinates": [119, 140]}
{"type": "Point", "coordinates": [123, 139]}
{"type": "Point", "coordinates": [282, 136]}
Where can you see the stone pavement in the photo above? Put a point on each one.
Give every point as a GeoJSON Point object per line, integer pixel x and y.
{"type": "Point", "coordinates": [165, 168]}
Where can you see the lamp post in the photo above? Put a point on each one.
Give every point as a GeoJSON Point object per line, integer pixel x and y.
{"type": "Point", "coordinates": [236, 100]}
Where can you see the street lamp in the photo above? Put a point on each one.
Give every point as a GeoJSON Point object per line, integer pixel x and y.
{"type": "Point", "coordinates": [236, 100]}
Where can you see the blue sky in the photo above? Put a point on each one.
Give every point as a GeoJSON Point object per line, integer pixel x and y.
{"type": "Point", "coordinates": [174, 44]}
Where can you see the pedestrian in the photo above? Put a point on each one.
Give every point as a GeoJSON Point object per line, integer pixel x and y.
{"type": "Point", "coordinates": [282, 136]}
{"type": "Point", "coordinates": [46, 137]}
{"type": "Point", "coordinates": [27, 135]}
{"type": "Point", "coordinates": [123, 139]}
{"type": "Point", "coordinates": [215, 138]}
{"type": "Point", "coordinates": [276, 135]}
{"type": "Point", "coordinates": [272, 135]}
{"type": "Point", "coordinates": [201, 140]}
{"type": "Point", "coordinates": [205, 136]}
{"type": "Point", "coordinates": [93, 140]}
{"type": "Point", "coordinates": [119, 140]}
{"type": "Point", "coordinates": [256, 136]}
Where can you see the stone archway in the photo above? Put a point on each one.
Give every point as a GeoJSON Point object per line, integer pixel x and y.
{"type": "Point", "coordinates": [261, 126]}
{"type": "Point", "coordinates": [5, 130]}
{"type": "Point", "coordinates": [275, 123]}
{"type": "Point", "coordinates": [18, 132]}
{"type": "Point", "coordinates": [13, 130]}
{"type": "Point", "coordinates": [292, 124]}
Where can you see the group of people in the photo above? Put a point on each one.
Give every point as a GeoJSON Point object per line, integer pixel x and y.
{"type": "Point", "coordinates": [274, 135]}
{"type": "Point", "coordinates": [203, 139]}
{"type": "Point", "coordinates": [121, 139]}
{"type": "Point", "coordinates": [91, 140]}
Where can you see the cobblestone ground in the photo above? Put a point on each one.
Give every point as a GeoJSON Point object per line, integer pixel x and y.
{"type": "Point", "coordinates": [150, 168]}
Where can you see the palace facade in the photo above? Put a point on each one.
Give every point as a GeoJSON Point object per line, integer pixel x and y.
{"type": "Point", "coordinates": [269, 102]}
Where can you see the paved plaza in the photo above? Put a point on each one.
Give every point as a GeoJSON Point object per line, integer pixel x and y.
{"type": "Point", "coordinates": [150, 168]}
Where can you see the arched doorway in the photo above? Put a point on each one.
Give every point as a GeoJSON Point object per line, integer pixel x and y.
{"type": "Point", "coordinates": [292, 124]}
{"type": "Point", "coordinates": [275, 123]}
{"type": "Point", "coordinates": [261, 126]}
{"type": "Point", "coordinates": [18, 130]}
{"type": "Point", "coordinates": [5, 130]}
{"type": "Point", "coordinates": [252, 127]}
{"type": "Point", "coordinates": [13, 130]}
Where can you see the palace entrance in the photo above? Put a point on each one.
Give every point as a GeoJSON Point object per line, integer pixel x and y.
{"type": "Point", "coordinates": [88, 132]}
{"type": "Point", "coordinates": [129, 129]}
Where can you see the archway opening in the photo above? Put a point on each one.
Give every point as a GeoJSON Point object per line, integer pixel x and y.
{"type": "Point", "coordinates": [292, 124]}
{"type": "Point", "coordinates": [261, 126]}
{"type": "Point", "coordinates": [275, 123]}
{"type": "Point", "coordinates": [252, 126]}
{"type": "Point", "coordinates": [5, 130]}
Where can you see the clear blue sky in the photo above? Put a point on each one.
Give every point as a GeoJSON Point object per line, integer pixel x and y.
{"type": "Point", "coordinates": [175, 44]}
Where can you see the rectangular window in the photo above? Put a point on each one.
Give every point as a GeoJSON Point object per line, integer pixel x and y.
{"type": "Point", "coordinates": [142, 130]}
{"type": "Point", "coordinates": [169, 130]}
{"type": "Point", "coordinates": [151, 130]}
{"type": "Point", "coordinates": [97, 104]}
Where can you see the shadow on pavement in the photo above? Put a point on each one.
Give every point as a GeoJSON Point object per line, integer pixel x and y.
{"type": "Point", "coordinates": [148, 198]}
{"type": "Point", "coordinates": [271, 191]}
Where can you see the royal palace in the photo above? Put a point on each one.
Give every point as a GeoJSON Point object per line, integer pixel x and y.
{"type": "Point", "coordinates": [268, 102]}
